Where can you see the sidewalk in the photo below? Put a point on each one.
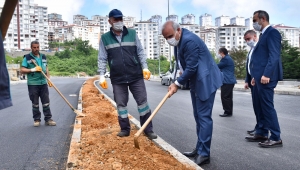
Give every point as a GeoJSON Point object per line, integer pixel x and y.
{"type": "Point", "coordinates": [283, 87]}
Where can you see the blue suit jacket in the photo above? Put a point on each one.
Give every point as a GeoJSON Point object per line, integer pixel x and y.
{"type": "Point", "coordinates": [226, 65]}
{"type": "Point", "coordinates": [198, 65]}
{"type": "Point", "coordinates": [265, 59]}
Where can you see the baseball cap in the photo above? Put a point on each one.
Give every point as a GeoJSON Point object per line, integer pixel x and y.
{"type": "Point", "coordinates": [115, 13]}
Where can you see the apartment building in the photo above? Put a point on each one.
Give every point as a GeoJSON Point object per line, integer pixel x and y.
{"type": "Point", "coordinates": [29, 23]}
{"type": "Point", "coordinates": [164, 47]}
{"type": "Point", "coordinates": [194, 28]}
{"type": "Point", "coordinates": [149, 37]}
{"type": "Point", "coordinates": [222, 20]}
{"type": "Point", "coordinates": [78, 18]}
{"type": "Point", "coordinates": [209, 37]}
{"type": "Point", "coordinates": [129, 21]}
{"type": "Point", "coordinates": [237, 21]}
{"type": "Point", "coordinates": [205, 20]}
{"type": "Point", "coordinates": [230, 36]}
{"type": "Point", "coordinates": [291, 34]}
{"type": "Point", "coordinates": [172, 18]}
{"type": "Point", "coordinates": [188, 19]}
{"type": "Point", "coordinates": [157, 19]}
{"type": "Point", "coordinates": [249, 23]}
{"type": "Point", "coordinates": [54, 21]}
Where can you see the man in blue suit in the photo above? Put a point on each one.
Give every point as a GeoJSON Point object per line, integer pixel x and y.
{"type": "Point", "coordinates": [226, 65]}
{"type": "Point", "coordinates": [251, 40]}
{"type": "Point", "coordinates": [205, 78]}
{"type": "Point", "coordinates": [266, 71]}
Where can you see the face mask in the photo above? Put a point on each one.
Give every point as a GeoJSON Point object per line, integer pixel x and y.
{"type": "Point", "coordinates": [256, 26]}
{"type": "Point", "coordinates": [251, 43]}
{"type": "Point", "coordinates": [118, 26]}
{"type": "Point", "coordinates": [173, 41]}
{"type": "Point", "coordinates": [219, 56]}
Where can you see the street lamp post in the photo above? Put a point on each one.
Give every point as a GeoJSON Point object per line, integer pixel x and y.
{"type": "Point", "coordinates": [169, 44]}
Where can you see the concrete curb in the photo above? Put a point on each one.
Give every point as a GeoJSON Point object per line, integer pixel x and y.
{"type": "Point", "coordinates": [76, 136]}
{"type": "Point", "coordinates": [159, 141]}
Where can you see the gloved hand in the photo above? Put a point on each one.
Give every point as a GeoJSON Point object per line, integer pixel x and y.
{"type": "Point", "coordinates": [102, 82]}
{"type": "Point", "coordinates": [37, 68]}
{"type": "Point", "coordinates": [146, 74]}
{"type": "Point", "coordinates": [50, 84]}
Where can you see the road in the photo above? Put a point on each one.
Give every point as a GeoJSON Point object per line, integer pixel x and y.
{"type": "Point", "coordinates": [24, 147]}
{"type": "Point", "coordinates": [175, 123]}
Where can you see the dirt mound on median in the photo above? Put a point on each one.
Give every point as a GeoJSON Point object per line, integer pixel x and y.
{"type": "Point", "coordinates": [100, 148]}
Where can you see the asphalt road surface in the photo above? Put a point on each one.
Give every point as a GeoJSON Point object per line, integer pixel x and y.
{"type": "Point", "coordinates": [24, 147]}
{"type": "Point", "coordinates": [175, 123]}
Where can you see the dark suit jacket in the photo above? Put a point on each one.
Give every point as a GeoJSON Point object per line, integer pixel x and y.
{"type": "Point", "coordinates": [265, 59]}
{"type": "Point", "coordinates": [226, 65]}
{"type": "Point", "coordinates": [198, 65]}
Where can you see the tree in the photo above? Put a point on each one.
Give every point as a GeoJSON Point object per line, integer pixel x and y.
{"type": "Point", "coordinates": [290, 60]}
{"type": "Point", "coordinates": [239, 56]}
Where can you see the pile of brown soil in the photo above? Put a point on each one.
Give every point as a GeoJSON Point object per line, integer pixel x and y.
{"type": "Point", "coordinates": [100, 148]}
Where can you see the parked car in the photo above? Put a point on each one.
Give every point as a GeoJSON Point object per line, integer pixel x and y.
{"type": "Point", "coordinates": [107, 75]}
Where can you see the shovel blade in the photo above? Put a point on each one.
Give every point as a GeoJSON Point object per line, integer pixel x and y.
{"type": "Point", "coordinates": [136, 142]}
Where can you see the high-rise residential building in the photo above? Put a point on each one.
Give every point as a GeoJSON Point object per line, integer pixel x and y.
{"type": "Point", "coordinates": [209, 38]}
{"type": "Point", "coordinates": [172, 18]}
{"type": "Point", "coordinates": [78, 18]}
{"type": "Point", "coordinates": [149, 37]}
{"type": "Point", "coordinates": [188, 19]}
{"type": "Point", "coordinates": [237, 21]}
{"type": "Point", "coordinates": [163, 46]}
{"type": "Point", "coordinates": [54, 21]}
{"type": "Point", "coordinates": [54, 17]}
{"type": "Point", "coordinates": [291, 34]}
{"type": "Point", "coordinates": [29, 23]}
{"type": "Point", "coordinates": [194, 28]}
{"type": "Point", "coordinates": [205, 20]}
{"type": "Point", "coordinates": [249, 23]}
{"type": "Point", "coordinates": [93, 36]}
{"type": "Point", "coordinates": [129, 21]}
{"type": "Point", "coordinates": [222, 20]}
{"type": "Point", "coordinates": [104, 24]}
{"type": "Point", "coordinates": [158, 20]}
{"type": "Point", "coordinates": [230, 36]}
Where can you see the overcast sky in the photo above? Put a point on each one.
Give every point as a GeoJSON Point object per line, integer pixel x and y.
{"type": "Point", "coordinates": [286, 12]}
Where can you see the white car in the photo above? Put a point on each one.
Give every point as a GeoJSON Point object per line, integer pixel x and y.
{"type": "Point", "coordinates": [107, 75]}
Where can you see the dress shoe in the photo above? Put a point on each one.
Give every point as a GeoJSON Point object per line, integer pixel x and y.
{"type": "Point", "coordinates": [256, 138]}
{"type": "Point", "coordinates": [151, 135]}
{"type": "Point", "coordinates": [123, 133]}
{"type": "Point", "coordinates": [200, 160]}
{"type": "Point", "coordinates": [250, 131]}
{"type": "Point", "coordinates": [270, 143]}
{"type": "Point", "coordinates": [225, 115]}
{"type": "Point", "coordinates": [190, 154]}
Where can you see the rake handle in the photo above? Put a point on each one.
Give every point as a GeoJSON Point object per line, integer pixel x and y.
{"type": "Point", "coordinates": [55, 87]}
{"type": "Point", "coordinates": [138, 133]}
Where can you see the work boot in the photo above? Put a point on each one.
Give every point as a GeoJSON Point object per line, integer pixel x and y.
{"type": "Point", "coordinates": [50, 122]}
{"type": "Point", "coordinates": [125, 127]}
{"type": "Point", "coordinates": [36, 123]}
{"type": "Point", "coordinates": [149, 128]}
{"type": "Point", "coordinates": [123, 133]}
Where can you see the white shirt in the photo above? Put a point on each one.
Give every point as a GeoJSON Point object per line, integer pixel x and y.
{"type": "Point", "coordinates": [249, 57]}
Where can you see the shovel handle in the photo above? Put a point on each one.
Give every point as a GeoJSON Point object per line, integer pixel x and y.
{"type": "Point", "coordinates": [55, 87]}
{"type": "Point", "coordinates": [138, 133]}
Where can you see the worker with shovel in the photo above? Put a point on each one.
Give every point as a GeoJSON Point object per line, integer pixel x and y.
{"type": "Point", "coordinates": [122, 50]}
{"type": "Point", "coordinates": [37, 83]}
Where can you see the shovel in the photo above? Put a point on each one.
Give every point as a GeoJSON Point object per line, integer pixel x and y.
{"type": "Point", "coordinates": [138, 133]}
{"type": "Point", "coordinates": [78, 113]}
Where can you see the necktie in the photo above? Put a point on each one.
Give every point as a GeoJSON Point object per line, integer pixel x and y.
{"type": "Point", "coordinates": [260, 35]}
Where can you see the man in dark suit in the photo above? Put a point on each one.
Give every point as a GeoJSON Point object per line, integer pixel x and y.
{"type": "Point", "coordinates": [226, 65]}
{"type": "Point", "coordinates": [251, 40]}
{"type": "Point", "coordinates": [205, 78]}
{"type": "Point", "coordinates": [266, 71]}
